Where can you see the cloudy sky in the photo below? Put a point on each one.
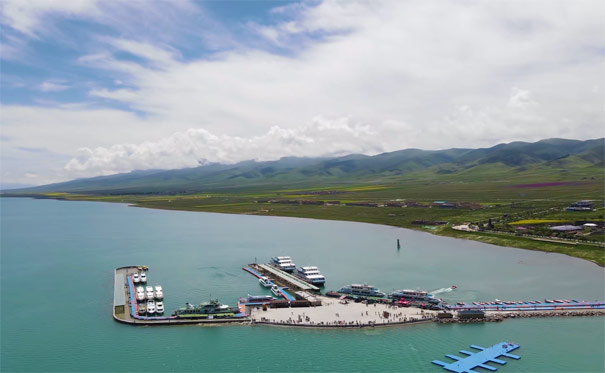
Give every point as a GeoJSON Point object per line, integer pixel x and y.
{"type": "Point", "coordinates": [94, 87]}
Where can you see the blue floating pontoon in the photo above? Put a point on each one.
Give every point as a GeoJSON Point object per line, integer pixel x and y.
{"type": "Point", "coordinates": [479, 359]}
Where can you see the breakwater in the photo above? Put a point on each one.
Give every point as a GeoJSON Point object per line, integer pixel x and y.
{"type": "Point", "coordinates": [501, 316]}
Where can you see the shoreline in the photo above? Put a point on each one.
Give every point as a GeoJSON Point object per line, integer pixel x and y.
{"type": "Point", "coordinates": [432, 232]}
{"type": "Point", "coordinates": [333, 314]}
{"type": "Point", "coordinates": [489, 318]}
{"type": "Point", "coordinates": [456, 235]}
{"type": "Point", "coordinates": [363, 326]}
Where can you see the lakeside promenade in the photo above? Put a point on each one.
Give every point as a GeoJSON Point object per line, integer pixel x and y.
{"type": "Point", "coordinates": [338, 314]}
{"type": "Point", "coordinates": [335, 313]}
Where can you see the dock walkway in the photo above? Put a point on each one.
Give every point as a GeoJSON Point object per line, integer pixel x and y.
{"type": "Point", "coordinates": [288, 278]}
{"type": "Point", "coordinates": [125, 305]}
{"type": "Point", "coordinates": [478, 359]}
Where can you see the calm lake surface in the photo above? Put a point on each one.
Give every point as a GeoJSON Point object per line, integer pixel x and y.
{"type": "Point", "coordinates": [57, 261]}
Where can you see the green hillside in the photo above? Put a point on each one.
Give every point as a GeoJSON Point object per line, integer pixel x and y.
{"type": "Point", "coordinates": [552, 159]}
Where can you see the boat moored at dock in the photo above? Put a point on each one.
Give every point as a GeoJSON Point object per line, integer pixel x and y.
{"type": "Point", "coordinates": [151, 307]}
{"type": "Point", "coordinates": [275, 290]}
{"type": "Point", "coordinates": [265, 282]}
{"type": "Point", "coordinates": [159, 307]}
{"type": "Point", "coordinates": [284, 263]}
{"type": "Point", "coordinates": [413, 295]}
{"type": "Point", "coordinates": [311, 275]}
{"type": "Point", "coordinates": [159, 294]}
{"type": "Point", "coordinates": [149, 293]}
{"type": "Point", "coordinates": [362, 291]}
{"type": "Point", "coordinates": [257, 299]}
{"type": "Point", "coordinates": [140, 294]}
{"type": "Point", "coordinates": [206, 310]}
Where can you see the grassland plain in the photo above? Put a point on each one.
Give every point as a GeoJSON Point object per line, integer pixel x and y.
{"type": "Point", "coordinates": [502, 202]}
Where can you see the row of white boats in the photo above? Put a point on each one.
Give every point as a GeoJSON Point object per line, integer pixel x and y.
{"type": "Point", "coordinates": [268, 283]}
{"type": "Point", "coordinates": [308, 274]}
{"type": "Point", "coordinates": [151, 307]}
{"type": "Point", "coordinates": [149, 293]}
{"type": "Point", "coordinates": [139, 277]}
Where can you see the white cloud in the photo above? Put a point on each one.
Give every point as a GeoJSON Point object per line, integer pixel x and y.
{"type": "Point", "coordinates": [193, 147]}
{"type": "Point", "coordinates": [419, 74]}
{"type": "Point", "coordinates": [159, 56]}
{"type": "Point", "coordinates": [50, 86]}
{"type": "Point", "coordinates": [26, 15]}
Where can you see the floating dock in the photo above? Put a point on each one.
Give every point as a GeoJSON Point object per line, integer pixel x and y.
{"type": "Point", "coordinates": [125, 305]}
{"type": "Point", "coordinates": [479, 359]}
{"type": "Point", "coordinates": [290, 280]}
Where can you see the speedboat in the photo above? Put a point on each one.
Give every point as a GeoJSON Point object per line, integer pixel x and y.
{"type": "Point", "coordinates": [149, 293]}
{"type": "Point", "coordinates": [275, 290]}
{"type": "Point", "coordinates": [159, 294]}
{"type": "Point", "coordinates": [143, 277]}
{"type": "Point", "coordinates": [311, 275]}
{"type": "Point", "coordinates": [284, 263]}
{"type": "Point", "coordinates": [151, 307]}
{"type": "Point", "coordinates": [135, 278]}
{"type": "Point", "coordinates": [159, 307]}
{"type": "Point", "coordinates": [265, 282]}
{"type": "Point", "coordinates": [140, 294]}
{"type": "Point", "coordinates": [142, 309]}
{"type": "Point", "coordinates": [454, 286]}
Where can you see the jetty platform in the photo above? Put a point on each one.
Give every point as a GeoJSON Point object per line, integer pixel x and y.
{"type": "Point", "coordinates": [281, 289]}
{"type": "Point", "coordinates": [283, 277]}
{"type": "Point", "coordinates": [479, 359]}
{"type": "Point", "coordinates": [125, 306]}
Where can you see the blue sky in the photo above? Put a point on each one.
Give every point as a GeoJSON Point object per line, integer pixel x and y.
{"type": "Point", "coordinates": [95, 87]}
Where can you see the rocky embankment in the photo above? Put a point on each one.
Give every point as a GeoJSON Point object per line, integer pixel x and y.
{"type": "Point", "coordinates": [501, 316]}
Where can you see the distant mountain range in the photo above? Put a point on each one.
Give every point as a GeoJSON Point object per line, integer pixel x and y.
{"type": "Point", "coordinates": [546, 157]}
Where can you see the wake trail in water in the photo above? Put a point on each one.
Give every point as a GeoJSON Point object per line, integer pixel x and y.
{"type": "Point", "coordinates": [442, 290]}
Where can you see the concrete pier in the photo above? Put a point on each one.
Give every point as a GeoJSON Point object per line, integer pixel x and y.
{"type": "Point", "coordinates": [125, 305]}
{"type": "Point", "coordinates": [284, 277]}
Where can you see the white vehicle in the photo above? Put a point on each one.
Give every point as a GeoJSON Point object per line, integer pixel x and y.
{"type": "Point", "coordinates": [159, 307]}
{"type": "Point", "coordinates": [135, 278]}
{"type": "Point", "coordinates": [151, 307]}
{"type": "Point", "coordinates": [149, 292]}
{"type": "Point", "coordinates": [143, 277]}
{"type": "Point", "coordinates": [159, 294]}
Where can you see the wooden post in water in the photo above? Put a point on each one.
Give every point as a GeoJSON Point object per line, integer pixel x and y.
{"type": "Point", "coordinates": [398, 244]}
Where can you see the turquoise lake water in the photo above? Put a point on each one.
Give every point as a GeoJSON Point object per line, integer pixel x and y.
{"type": "Point", "coordinates": [57, 261]}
